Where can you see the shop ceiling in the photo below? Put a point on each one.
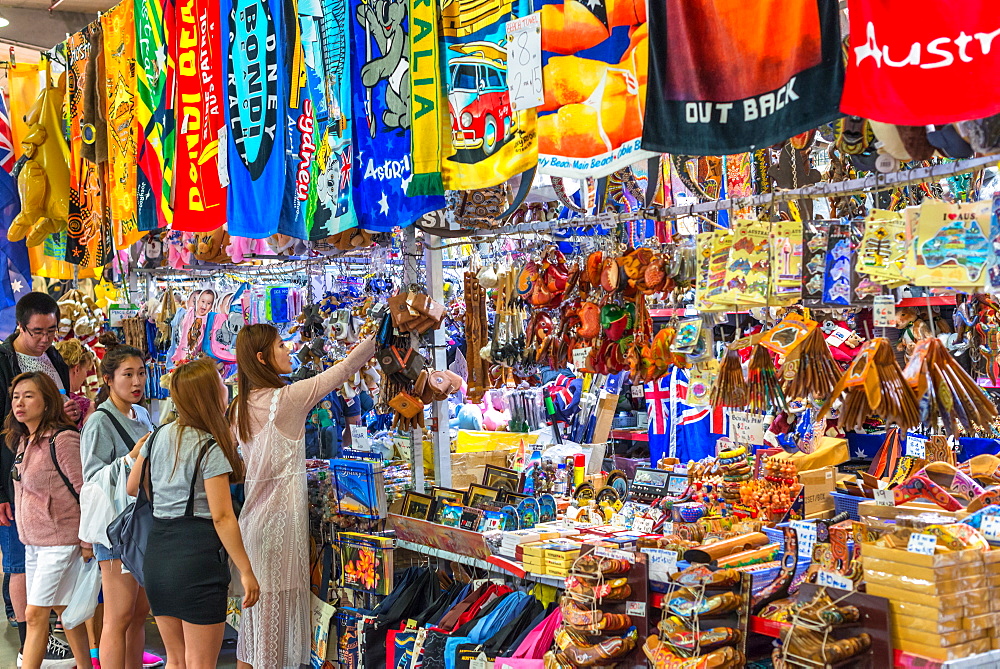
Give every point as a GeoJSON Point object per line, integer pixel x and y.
{"type": "Point", "coordinates": [31, 24]}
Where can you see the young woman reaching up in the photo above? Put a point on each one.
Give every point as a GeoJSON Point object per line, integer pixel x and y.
{"type": "Point", "coordinates": [269, 415]}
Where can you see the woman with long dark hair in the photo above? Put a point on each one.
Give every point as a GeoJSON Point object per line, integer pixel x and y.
{"type": "Point", "coordinates": [112, 438]}
{"type": "Point", "coordinates": [191, 463]}
{"type": "Point", "coordinates": [269, 415]}
{"type": "Point", "coordinates": [47, 479]}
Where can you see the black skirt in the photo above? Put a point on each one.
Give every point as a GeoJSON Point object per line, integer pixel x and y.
{"type": "Point", "coordinates": [186, 571]}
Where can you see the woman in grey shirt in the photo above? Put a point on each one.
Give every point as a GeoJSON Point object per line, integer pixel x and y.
{"type": "Point", "coordinates": [112, 438]}
{"type": "Point", "coordinates": [187, 467]}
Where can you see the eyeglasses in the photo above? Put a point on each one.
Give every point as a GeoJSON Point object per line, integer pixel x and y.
{"type": "Point", "coordinates": [14, 473]}
{"type": "Point", "coordinates": [37, 333]}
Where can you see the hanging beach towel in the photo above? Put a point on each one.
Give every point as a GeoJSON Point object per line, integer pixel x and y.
{"type": "Point", "coordinates": [119, 50]}
{"type": "Point", "coordinates": [902, 49]}
{"type": "Point", "coordinates": [595, 55]}
{"type": "Point", "coordinates": [380, 84]}
{"type": "Point", "coordinates": [89, 238]}
{"type": "Point", "coordinates": [199, 189]}
{"type": "Point", "coordinates": [257, 95]}
{"type": "Point", "coordinates": [300, 146]}
{"type": "Point", "coordinates": [731, 75]}
{"type": "Point", "coordinates": [154, 141]}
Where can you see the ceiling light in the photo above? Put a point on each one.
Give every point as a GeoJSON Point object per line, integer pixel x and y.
{"type": "Point", "coordinates": [4, 22]}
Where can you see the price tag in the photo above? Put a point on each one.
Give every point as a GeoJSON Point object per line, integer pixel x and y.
{"type": "Point", "coordinates": [636, 609]}
{"type": "Point", "coordinates": [479, 662]}
{"type": "Point", "coordinates": [668, 528]}
{"type": "Point", "coordinates": [618, 520]}
{"type": "Point", "coordinates": [580, 356]}
{"type": "Point", "coordinates": [991, 527]}
{"type": "Point", "coordinates": [655, 513]}
{"type": "Point", "coordinates": [359, 438]}
{"type": "Point", "coordinates": [614, 554]}
{"type": "Point", "coordinates": [644, 525]}
{"type": "Point", "coordinates": [923, 544]}
{"type": "Point", "coordinates": [807, 537]}
{"type": "Point", "coordinates": [916, 445]}
{"type": "Point", "coordinates": [885, 497]}
{"type": "Point", "coordinates": [662, 563]}
{"type": "Point", "coordinates": [223, 157]}
{"type": "Point", "coordinates": [884, 311]}
{"type": "Point", "coordinates": [638, 392]}
{"type": "Point", "coordinates": [833, 580]}
{"type": "Point", "coordinates": [524, 62]}
{"type": "Point", "coordinates": [838, 336]}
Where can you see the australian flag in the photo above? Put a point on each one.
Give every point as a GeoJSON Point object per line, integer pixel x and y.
{"type": "Point", "coordinates": [15, 269]}
{"type": "Point", "coordinates": [676, 428]}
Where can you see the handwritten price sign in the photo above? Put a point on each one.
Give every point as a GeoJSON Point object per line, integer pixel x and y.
{"type": "Point", "coordinates": [524, 62]}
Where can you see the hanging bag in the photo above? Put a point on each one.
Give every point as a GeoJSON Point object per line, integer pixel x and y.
{"type": "Point", "coordinates": [130, 530]}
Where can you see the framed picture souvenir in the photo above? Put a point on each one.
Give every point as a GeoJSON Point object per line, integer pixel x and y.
{"type": "Point", "coordinates": [448, 495]}
{"type": "Point", "coordinates": [450, 514]}
{"type": "Point", "coordinates": [471, 518]}
{"type": "Point", "coordinates": [502, 478]}
{"type": "Point", "coordinates": [491, 520]}
{"type": "Point", "coordinates": [546, 508]}
{"type": "Point", "coordinates": [417, 505]}
{"type": "Point", "coordinates": [513, 498]}
{"type": "Point", "coordinates": [480, 496]}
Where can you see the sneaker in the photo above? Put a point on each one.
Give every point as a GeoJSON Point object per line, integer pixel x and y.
{"type": "Point", "coordinates": [150, 661]}
{"type": "Point", "coordinates": [57, 655]}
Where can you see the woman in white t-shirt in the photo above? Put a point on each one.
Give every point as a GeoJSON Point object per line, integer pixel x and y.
{"type": "Point", "coordinates": [187, 467]}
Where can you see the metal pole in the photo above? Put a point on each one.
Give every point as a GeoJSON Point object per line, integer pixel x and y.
{"type": "Point", "coordinates": [440, 432]}
{"type": "Point", "coordinates": [411, 275]}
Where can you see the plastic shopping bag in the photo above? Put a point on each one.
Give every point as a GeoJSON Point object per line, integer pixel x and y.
{"type": "Point", "coordinates": [83, 603]}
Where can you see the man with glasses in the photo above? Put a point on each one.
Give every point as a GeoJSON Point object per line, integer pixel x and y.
{"type": "Point", "coordinates": [28, 349]}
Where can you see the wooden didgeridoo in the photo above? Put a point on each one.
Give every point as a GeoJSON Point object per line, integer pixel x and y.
{"type": "Point", "coordinates": [719, 549]}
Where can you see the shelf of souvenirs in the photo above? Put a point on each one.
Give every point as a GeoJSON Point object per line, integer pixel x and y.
{"type": "Point", "coordinates": [494, 564]}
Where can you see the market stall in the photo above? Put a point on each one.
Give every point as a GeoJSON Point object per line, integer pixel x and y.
{"type": "Point", "coordinates": [687, 345]}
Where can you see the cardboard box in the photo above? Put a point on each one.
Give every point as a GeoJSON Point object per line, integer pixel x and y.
{"type": "Point", "coordinates": [953, 616]}
{"type": "Point", "coordinates": [929, 587]}
{"type": "Point", "coordinates": [927, 573]}
{"type": "Point", "coordinates": [919, 560]}
{"type": "Point", "coordinates": [972, 599]}
{"type": "Point", "coordinates": [945, 654]}
{"type": "Point", "coordinates": [817, 484]}
{"type": "Point", "coordinates": [873, 510]}
{"type": "Point", "coordinates": [931, 626]}
{"type": "Point", "coordinates": [942, 640]}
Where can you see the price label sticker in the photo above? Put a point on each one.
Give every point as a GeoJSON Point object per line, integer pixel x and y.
{"type": "Point", "coordinates": [614, 554]}
{"type": "Point", "coordinates": [655, 513]}
{"type": "Point", "coordinates": [644, 525]}
{"type": "Point", "coordinates": [916, 445]}
{"type": "Point", "coordinates": [662, 563]}
{"type": "Point", "coordinates": [922, 544]}
{"type": "Point", "coordinates": [829, 578]}
{"type": "Point", "coordinates": [638, 392]}
{"type": "Point", "coordinates": [580, 356]}
{"type": "Point", "coordinates": [884, 311]}
{"type": "Point", "coordinates": [991, 527]}
{"type": "Point", "coordinates": [636, 609]}
{"type": "Point", "coordinates": [885, 498]}
{"type": "Point", "coordinates": [223, 158]}
{"type": "Point", "coordinates": [618, 520]}
{"type": "Point", "coordinates": [668, 528]}
{"type": "Point", "coordinates": [524, 62]}
{"type": "Point", "coordinates": [360, 440]}
{"type": "Point", "coordinates": [478, 662]}
{"type": "Point", "coordinates": [807, 537]}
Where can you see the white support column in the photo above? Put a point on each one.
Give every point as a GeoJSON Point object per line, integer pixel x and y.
{"type": "Point", "coordinates": [411, 275]}
{"type": "Point", "coordinates": [440, 432]}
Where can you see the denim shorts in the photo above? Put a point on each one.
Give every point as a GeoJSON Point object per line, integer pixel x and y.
{"type": "Point", "coordinates": [13, 550]}
{"type": "Point", "coordinates": [102, 553]}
